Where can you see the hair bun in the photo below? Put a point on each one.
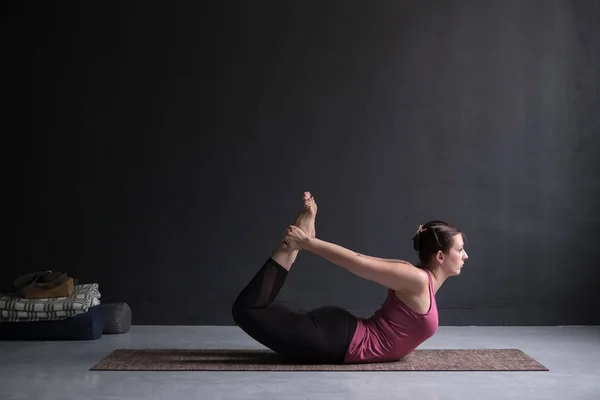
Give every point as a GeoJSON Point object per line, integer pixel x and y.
{"type": "Point", "coordinates": [417, 242]}
{"type": "Point", "coordinates": [417, 238]}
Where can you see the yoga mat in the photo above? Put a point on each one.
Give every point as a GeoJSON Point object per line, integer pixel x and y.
{"type": "Point", "coordinates": [266, 360]}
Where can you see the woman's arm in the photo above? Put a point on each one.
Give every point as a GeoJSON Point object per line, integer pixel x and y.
{"type": "Point", "coordinates": [392, 260]}
{"type": "Point", "coordinates": [399, 275]}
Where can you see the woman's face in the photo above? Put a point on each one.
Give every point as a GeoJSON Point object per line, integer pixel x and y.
{"type": "Point", "coordinates": [453, 261]}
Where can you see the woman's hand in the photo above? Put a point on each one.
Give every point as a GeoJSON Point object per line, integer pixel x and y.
{"type": "Point", "coordinates": [295, 238]}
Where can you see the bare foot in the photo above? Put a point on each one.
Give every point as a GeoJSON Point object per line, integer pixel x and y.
{"type": "Point", "coordinates": [305, 220]}
{"type": "Point", "coordinates": [307, 216]}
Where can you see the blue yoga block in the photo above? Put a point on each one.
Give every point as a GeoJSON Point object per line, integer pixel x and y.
{"type": "Point", "coordinates": [87, 326]}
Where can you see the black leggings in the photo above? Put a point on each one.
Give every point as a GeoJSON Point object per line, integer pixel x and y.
{"type": "Point", "coordinates": [318, 336]}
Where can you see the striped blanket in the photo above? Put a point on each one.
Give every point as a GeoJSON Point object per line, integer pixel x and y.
{"type": "Point", "coordinates": [17, 309]}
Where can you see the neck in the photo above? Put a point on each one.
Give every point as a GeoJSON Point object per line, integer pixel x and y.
{"type": "Point", "coordinates": [438, 275]}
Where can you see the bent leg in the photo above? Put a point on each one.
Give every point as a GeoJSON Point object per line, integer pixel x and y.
{"type": "Point", "coordinates": [274, 326]}
{"type": "Point", "coordinates": [319, 336]}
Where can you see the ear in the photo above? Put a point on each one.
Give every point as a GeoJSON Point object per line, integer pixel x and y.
{"type": "Point", "coordinates": [439, 257]}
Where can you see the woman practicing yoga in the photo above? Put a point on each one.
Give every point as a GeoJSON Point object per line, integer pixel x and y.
{"type": "Point", "coordinates": [331, 334]}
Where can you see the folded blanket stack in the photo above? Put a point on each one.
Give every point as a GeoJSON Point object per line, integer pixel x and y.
{"type": "Point", "coordinates": [14, 308]}
{"type": "Point", "coordinates": [47, 305]}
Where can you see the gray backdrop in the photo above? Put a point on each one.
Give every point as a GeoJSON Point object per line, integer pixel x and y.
{"type": "Point", "coordinates": [162, 148]}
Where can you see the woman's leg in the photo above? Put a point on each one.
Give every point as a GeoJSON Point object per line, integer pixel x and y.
{"type": "Point", "coordinates": [318, 336]}
{"type": "Point", "coordinates": [272, 325]}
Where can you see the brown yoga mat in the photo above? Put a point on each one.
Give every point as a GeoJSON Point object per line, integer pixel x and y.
{"type": "Point", "coordinates": [265, 360]}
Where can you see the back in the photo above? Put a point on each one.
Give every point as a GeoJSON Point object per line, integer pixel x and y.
{"type": "Point", "coordinates": [393, 331]}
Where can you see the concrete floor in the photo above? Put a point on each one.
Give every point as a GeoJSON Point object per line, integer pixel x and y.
{"type": "Point", "coordinates": [59, 370]}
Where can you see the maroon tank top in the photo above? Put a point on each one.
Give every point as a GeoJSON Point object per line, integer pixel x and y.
{"type": "Point", "coordinates": [393, 331]}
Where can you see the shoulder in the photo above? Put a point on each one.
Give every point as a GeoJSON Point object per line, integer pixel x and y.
{"type": "Point", "coordinates": [418, 277]}
{"type": "Point", "coordinates": [406, 278]}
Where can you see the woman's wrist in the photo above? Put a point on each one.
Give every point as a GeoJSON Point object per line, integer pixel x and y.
{"type": "Point", "coordinates": [309, 244]}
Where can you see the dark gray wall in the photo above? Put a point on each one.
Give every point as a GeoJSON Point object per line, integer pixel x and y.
{"type": "Point", "coordinates": [162, 148]}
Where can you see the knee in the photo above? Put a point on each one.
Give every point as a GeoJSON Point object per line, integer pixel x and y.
{"type": "Point", "coordinates": [238, 312]}
{"type": "Point", "coordinates": [235, 310]}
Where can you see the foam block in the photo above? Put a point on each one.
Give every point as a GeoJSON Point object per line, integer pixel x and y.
{"type": "Point", "coordinates": [117, 318]}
